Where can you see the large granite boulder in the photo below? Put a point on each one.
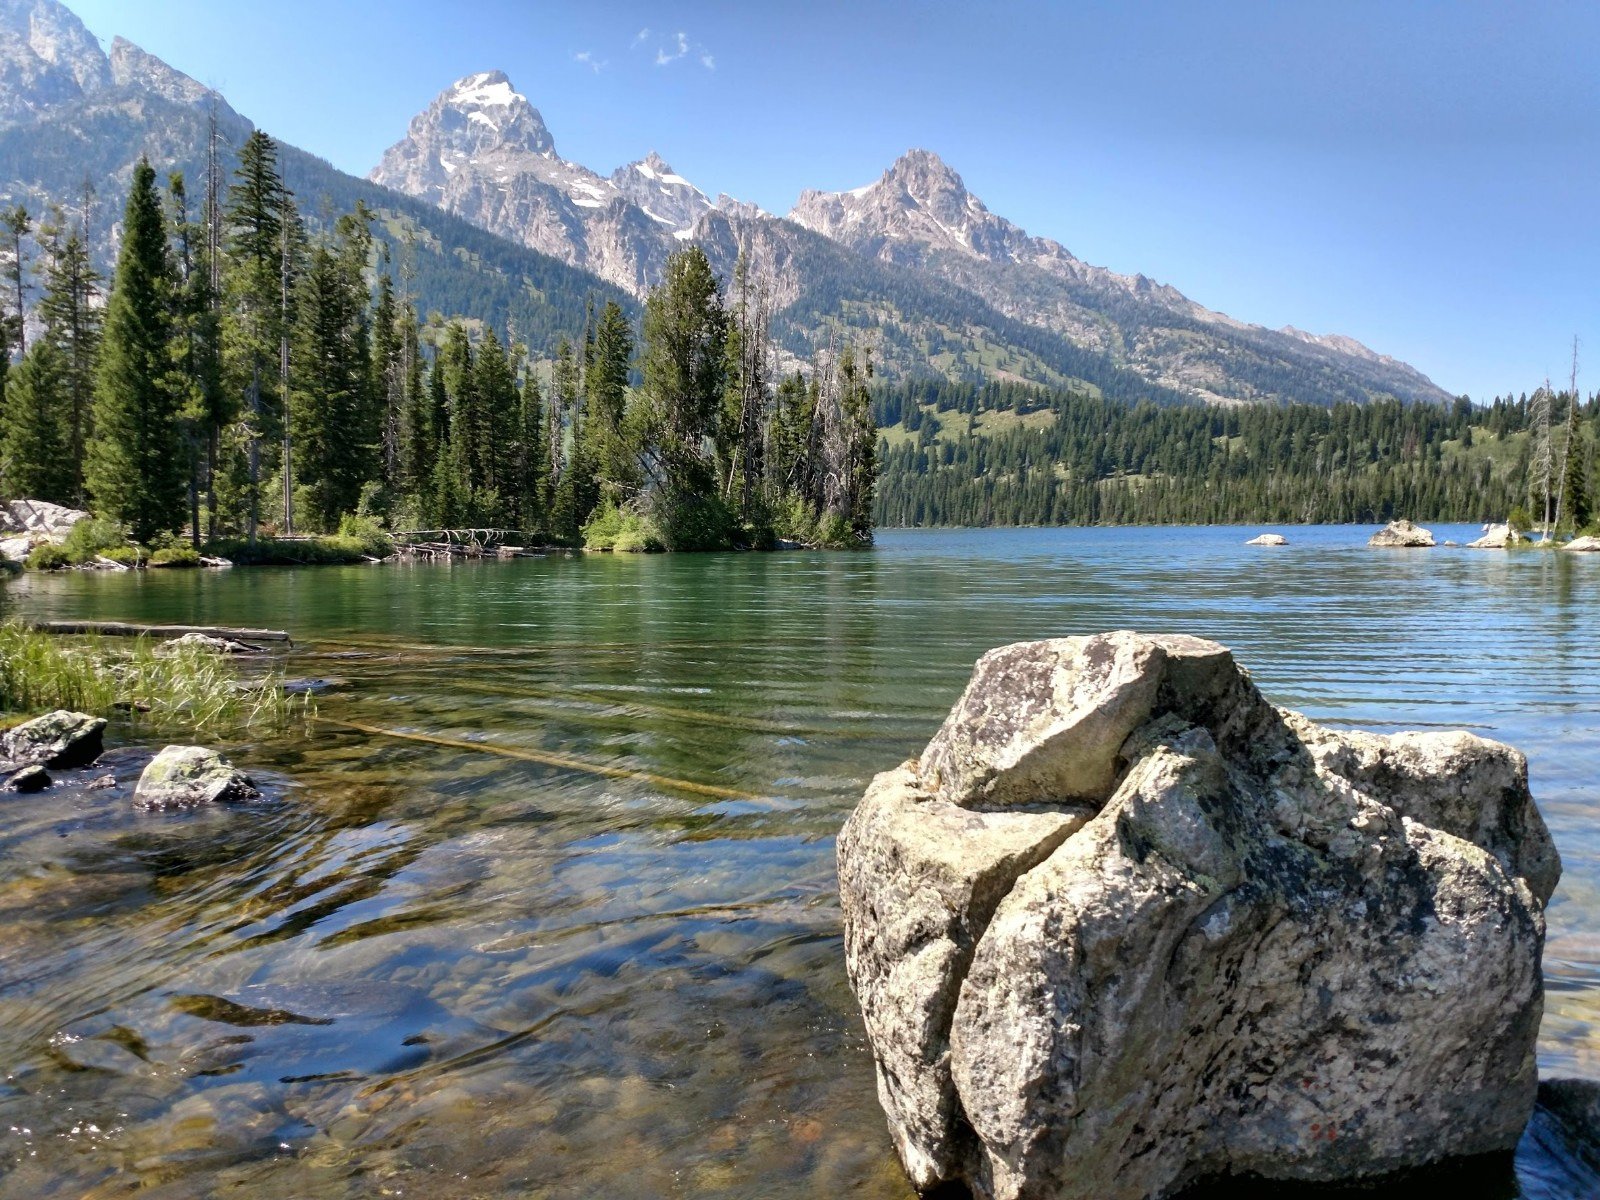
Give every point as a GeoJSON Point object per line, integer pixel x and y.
{"type": "Point", "coordinates": [1125, 926]}
{"type": "Point", "coordinates": [58, 739]}
{"type": "Point", "coordinates": [1496, 537]}
{"type": "Point", "coordinates": [1268, 539]}
{"type": "Point", "coordinates": [39, 518]}
{"type": "Point", "coordinates": [1401, 535]}
{"type": "Point", "coordinates": [185, 776]}
{"type": "Point", "coordinates": [1588, 543]}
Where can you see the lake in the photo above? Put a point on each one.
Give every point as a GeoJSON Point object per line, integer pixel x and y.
{"type": "Point", "coordinates": [586, 941]}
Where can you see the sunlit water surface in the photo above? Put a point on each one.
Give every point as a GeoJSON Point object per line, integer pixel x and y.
{"type": "Point", "coordinates": [440, 971]}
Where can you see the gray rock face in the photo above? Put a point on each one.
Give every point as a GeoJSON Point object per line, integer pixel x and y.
{"type": "Point", "coordinates": [1401, 535]}
{"type": "Point", "coordinates": [38, 517]}
{"type": "Point", "coordinates": [28, 779]}
{"type": "Point", "coordinates": [185, 776]}
{"type": "Point", "coordinates": [60, 739]}
{"type": "Point", "coordinates": [1126, 926]}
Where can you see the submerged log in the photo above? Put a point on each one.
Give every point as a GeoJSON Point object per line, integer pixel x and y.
{"type": "Point", "coordinates": [130, 629]}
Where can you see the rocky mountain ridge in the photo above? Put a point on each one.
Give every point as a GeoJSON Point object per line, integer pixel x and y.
{"type": "Point", "coordinates": [500, 170]}
{"type": "Point", "coordinates": [913, 263]}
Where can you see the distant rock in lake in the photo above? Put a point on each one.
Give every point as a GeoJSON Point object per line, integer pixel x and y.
{"type": "Point", "coordinates": [1496, 537]}
{"type": "Point", "coordinates": [1125, 926]}
{"type": "Point", "coordinates": [1402, 535]}
{"type": "Point", "coordinates": [1268, 539]}
{"type": "Point", "coordinates": [1586, 544]}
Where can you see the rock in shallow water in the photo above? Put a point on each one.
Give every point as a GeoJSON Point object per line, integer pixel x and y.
{"type": "Point", "coordinates": [28, 779]}
{"type": "Point", "coordinates": [1402, 535]}
{"type": "Point", "coordinates": [184, 776]}
{"type": "Point", "coordinates": [60, 739]}
{"type": "Point", "coordinates": [1127, 926]}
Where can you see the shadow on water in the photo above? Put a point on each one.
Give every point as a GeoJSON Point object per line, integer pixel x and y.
{"type": "Point", "coordinates": [463, 963]}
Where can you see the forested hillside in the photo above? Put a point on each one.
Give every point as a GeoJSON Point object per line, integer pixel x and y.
{"type": "Point", "coordinates": [1004, 454]}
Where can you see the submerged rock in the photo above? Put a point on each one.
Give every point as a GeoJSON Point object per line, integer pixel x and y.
{"type": "Point", "coordinates": [185, 776]}
{"type": "Point", "coordinates": [60, 739]}
{"type": "Point", "coordinates": [28, 779]}
{"type": "Point", "coordinates": [1401, 534]}
{"type": "Point", "coordinates": [1268, 539]}
{"type": "Point", "coordinates": [1496, 537]}
{"type": "Point", "coordinates": [1126, 926]}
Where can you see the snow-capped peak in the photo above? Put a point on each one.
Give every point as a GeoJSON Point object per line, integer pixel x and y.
{"type": "Point", "coordinates": [661, 193]}
{"type": "Point", "coordinates": [486, 89]}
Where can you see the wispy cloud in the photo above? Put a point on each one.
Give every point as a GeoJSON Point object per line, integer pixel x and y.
{"type": "Point", "coordinates": [588, 59]}
{"type": "Point", "coordinates": [673, 46]}
{"type": "Point", "coordinates": [675, 49]}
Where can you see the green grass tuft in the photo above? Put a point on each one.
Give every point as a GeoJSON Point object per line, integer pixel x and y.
{"type": "Point", "coordinates": [185, 688]}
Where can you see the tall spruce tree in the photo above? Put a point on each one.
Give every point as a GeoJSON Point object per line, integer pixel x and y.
{"type": "Point", "coordinates": [258, 206]}
{"type": "Point", "coordinates": [608, 450]}
{"type": "Point", "coordinates": [71, 315]}
{"type": "Point", "coordinates": [684, 363]}
{"type": "Point", "coordinates": [136, 466]}
{"type": "Point", "coordinates": [34, 462]}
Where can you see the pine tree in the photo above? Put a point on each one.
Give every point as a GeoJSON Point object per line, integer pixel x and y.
{"type": "Point", "coordinates": [71, 317]}
{"type": "Point", "coordinates": [334, 450]}
{"type": "Point", "coordinates": [614, 461]}
{"type": "Point", "coordinates": [258, 208]}
{"type": "Point", "coordinates": [16, 224]}
{"type": "Point", "coordinates": [33, 446]}
{"type": "Point", "coordinates": [1575, 500]}
{"type": "Point", "coordinates": [684, 363]}
{"type": "Point", "coordinates": [497, 404]}
{"type": "Point", "coordinates": [135, 465]}
{"type": "Point", "coordinates": [533, 460]}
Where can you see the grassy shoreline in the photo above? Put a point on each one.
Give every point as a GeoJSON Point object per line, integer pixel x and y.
{"type": "Point", "coordinates": [161, 686]}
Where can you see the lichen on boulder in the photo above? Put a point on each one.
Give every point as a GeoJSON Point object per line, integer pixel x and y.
{"type": "Point", "coordinates": [1125, 926]}
{"type": "Point", "coordinates": [186, 776]}
{"type": "Point", "coordinates": [61, 739]}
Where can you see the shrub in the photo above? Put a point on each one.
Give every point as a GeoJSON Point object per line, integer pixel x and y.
{"type": "Point", "coordinates": [624, 530]}
{"type": "Point", "coordinates": [176, 556]}
{"type": "Point", "coordinates": [47, 556]}
{"type": "Point", "coordinates": [368, 534]}
{"type": "Point", "coordinates": [693, 521]}
{"type": "Point", "coordinates": [1519, 520]}
{"type": "Point", "coordinates": [92, 537]}
{"type": "Point", "coordinates": [834, 533]}
{"type": "Point", "coordinates": [128, 556]}
{"type": "Point", "coordinates": [289, 552]}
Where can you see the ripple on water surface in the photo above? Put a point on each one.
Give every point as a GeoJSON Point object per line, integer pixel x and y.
{"type": "Point", "coordinates": [576, 933]}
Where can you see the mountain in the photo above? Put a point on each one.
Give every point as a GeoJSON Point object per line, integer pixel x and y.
{"type": "Point", "coordinates": [920, 214]}
{"type": "Point", "coordinates": [489, 220]}
{"type": "Point", "coordinates": [70, 111]}
{"type": "Point", "coordinates": [482, 152]}
{"type": "Point", "coordinates": [47, 57]}
{"type": "Point", "coordinates": [945, 286]}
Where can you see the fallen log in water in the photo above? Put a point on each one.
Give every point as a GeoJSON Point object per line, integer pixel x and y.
{"type": "Point", "coordinates": [129, 629]}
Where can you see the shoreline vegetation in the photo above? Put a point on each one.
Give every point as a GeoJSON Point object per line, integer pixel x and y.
{"type": "Point", "coordinates": [159, 686]}
{"type": "Point", "coordinates": [248, 378]}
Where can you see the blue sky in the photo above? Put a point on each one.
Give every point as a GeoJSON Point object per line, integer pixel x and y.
{"type": "Point", "coordinates": [1424, 177]}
